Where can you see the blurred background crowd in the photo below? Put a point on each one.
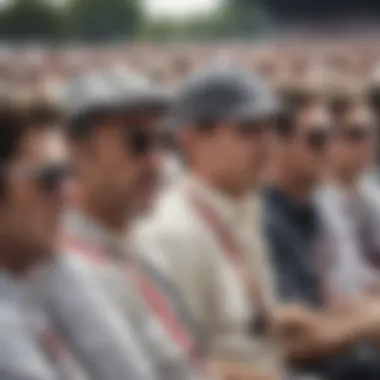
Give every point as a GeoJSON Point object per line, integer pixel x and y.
{"type": "Point", "coordinates": [189, 190]}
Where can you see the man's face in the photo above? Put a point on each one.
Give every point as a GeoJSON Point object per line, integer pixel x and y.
{"type": "Point", "coordinates": [120, 162]}
{"type": "Point", "coordinates": [235, 152]}
{"type": "Point", "coordinates": [354, 141]}
{"type": "Point", "coordinates": [305, 151]}
{"type": "Point", "coordinates": [33, 194]}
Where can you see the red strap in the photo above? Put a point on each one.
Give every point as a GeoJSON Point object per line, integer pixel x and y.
{"type": "Point", "coordinates": [149, 292]}
{"type": "Point", "coordinates": [164, 311]}
{"type": "Point", "coordinates": [51, 344]}
{"type": "Point", "coordinates": [231, 248]}
{"type": "Point", "coordinates": [54, 349]}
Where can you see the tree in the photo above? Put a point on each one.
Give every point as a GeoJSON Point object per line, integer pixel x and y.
{"type": "Point", "coordinates": [30, 20]}
{"type": "Point", "coordinates": [102, 20]}
{"type": "Point", "coordinates": [242, 18]}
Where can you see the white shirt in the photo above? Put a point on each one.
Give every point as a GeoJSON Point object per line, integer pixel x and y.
{"type": "Point", "coordinates": [172, 169]}
{"type": "Point", "coordinates": [207, 280]}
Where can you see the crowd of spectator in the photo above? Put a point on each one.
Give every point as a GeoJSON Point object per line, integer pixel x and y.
{"type": "Point", "coordinates": [190, 212]}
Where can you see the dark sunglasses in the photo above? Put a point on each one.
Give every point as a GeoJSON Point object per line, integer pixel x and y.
{"type": "Point", "coordinates": [48, 177]}
{"type": "Point", "coordinates": [141, 141]}
{"type": "Point", "coordinates": [356, 133]}
{"type": "Point", "coordinates": [253, 128]}
{"type": "Point", "coordinates": [317, 138]}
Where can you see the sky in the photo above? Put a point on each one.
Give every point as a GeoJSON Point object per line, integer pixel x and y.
{"type": "Point", "coordinates": [166, 8]}
{"type": "Point", "coordinates": [179, 8]}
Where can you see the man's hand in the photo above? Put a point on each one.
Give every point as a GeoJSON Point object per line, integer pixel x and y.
{"type": "Point", "coordinates": [294, 320]}
{"type": "Point", "coordinates": [308, 334]}
{"type": "Point", "coordinates": [225, 370]}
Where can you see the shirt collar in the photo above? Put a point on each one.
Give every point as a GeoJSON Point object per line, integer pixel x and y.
{"type": "Point", "coordinates": [304, 210]}
{"type": "Point", "coordinates": [343, 195]}
{"type": "Point", "coordinates": [77, 224]}
{"type": "Point", "coordinates": [232, 211]}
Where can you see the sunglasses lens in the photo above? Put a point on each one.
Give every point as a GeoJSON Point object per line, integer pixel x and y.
{"type": "Point", "coordinates": [140, 141]}
{"type": "Point", "coordinates": [317, 140]}
{"type": "Point", "coordinates": [252, 127]}
{"type": "Point", "coordinates": [51, 178]}
{"type": "Point", "coordinates": [357, 134]}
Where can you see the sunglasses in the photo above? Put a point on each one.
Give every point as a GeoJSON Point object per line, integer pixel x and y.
{"type": "Point", "coordinates": [142, 141]}
{"type": "Point", "coordinates": [251, 129]}
{"type": "Point", "coordinates": [48, 177]}
{"type": "Point", "coordinates": [356, 133]}
{"type": "Point", "coordinates": [317, 138]}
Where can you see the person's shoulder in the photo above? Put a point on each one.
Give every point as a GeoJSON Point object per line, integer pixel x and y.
{"type": "Point", "coordinates": [275, 226]}
{"type": "Point", "coordinates": [10, 315]}
{"type": "Point", "coordinates": [371, 190]}
{"type": "Point", "coordinates": [172, 201]}
{"type": "Point", "coordinates": [13, 324]}
{"type": "Point", "coordinates": [173, 216]}
{"type": "Point", "coordinates": [80, 258]}
{"type": "Point", "coordinates": [269, 212]}
{"type": "Point", "coordinates": [327, 199]}
{"type": "Point", "coordinates": [20, 354]}
{"type": "Point", "coordinates": [148, 252]}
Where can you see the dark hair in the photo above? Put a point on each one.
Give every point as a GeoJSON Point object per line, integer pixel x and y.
{"type": "Point", "coordinates": [373, 98]}
{"type": "Point", "coordinates": [340, 104]}
{"type": "Point", "coordinates": [44, 114]}
{"type": "Point", "coordinates": [11, 131]}
{"type": "Point", "coordinates": [298, 97]}
{"type": "Point", "coordinates": [15, 122]}
{"type": "Point", "coordinates": [205, 124]}
{"type": "Point", "coordinates": [284, 123]}
{"type": "Point", "coordinates": [11, 134]}
{"type": "Point", "coordinates": [293, 100]}
{"type": "Point", "coordinates": [79, 127]}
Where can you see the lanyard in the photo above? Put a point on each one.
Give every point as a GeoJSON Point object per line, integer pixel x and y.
{"type": "Point", "coordinates": [149, 292]}
{"type": "Point", "coordinates": [232, 250]}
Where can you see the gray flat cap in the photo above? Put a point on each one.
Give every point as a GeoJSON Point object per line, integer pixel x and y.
{"type": "Point", "coordinates": [111, 93]}
{"type": "Point", "coordinates": [223, 93]}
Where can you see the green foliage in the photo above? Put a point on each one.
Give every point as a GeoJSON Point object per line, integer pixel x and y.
{"type": "Point", "coordinates": [109, 20]}
{"type": "Point", "coordinates": [30, 20]}
{"type": "Point", "coordinates": [94, 20]}
{"type": "Point", "coordinates": [246, 17]}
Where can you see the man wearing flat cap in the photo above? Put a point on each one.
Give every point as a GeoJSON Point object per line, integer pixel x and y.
{"type": "Point", "coordinates": [207, 225]}
{"type": "Point", "coordinates": [129, 326]}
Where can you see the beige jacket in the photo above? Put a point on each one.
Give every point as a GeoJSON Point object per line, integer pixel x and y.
{"type": "Point", "coordinates": [208, 281]}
